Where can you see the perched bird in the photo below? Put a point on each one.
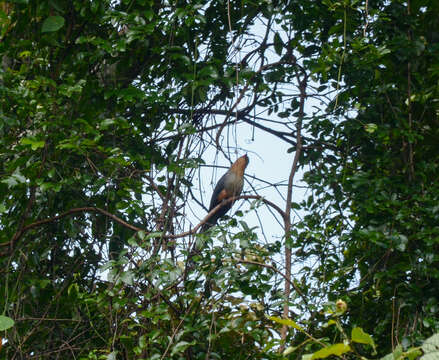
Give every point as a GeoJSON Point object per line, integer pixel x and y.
{"type": "Point", "coordinates": [230, 185]}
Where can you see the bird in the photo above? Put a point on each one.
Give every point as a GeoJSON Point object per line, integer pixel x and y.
{"type": "Point", "coordinates": [230, 185]}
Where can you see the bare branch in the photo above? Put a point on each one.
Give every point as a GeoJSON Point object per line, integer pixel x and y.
{"type": "Point", "coordinates": [287, 218]}
{"type": "Point", "coordinates": [136, 229]}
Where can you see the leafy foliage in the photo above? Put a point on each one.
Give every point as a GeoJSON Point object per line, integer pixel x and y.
{"type": "Point", "coordinates": [108, 109]}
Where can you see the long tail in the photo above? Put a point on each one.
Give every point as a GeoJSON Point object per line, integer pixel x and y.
{"type": "Point", "coordinates": [206, 226]}
{"type": "Point", "coordinates": [216, 216]}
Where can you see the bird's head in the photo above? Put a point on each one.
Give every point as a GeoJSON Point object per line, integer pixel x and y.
{"type": "Point", "coordinates": [240, 164]}
{"type": "Point", "coordinates": [246, 159]}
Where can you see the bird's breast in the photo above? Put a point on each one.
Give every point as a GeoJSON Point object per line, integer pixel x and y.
{"type": "Point", "coordinates": [233, 184]}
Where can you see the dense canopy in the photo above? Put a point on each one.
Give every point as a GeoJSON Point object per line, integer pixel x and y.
{"type": "Point", "coordinates": [114, 118]}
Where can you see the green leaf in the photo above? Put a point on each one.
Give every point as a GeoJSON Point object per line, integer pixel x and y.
{"type": "Point", "coordinates": [142, 342]}
{"type": "Point", "coordinates": [127, 277]}
{"type": "Point", "coordinates": [330, 322]}
{"type": "Point", "coordinates": [105, 124]}
{"type": "Point", "coordinates": [15, 179]}
{"type": "Point", "coordinates": [398, 352]}
{"type": "Point", "coordinates": [402, 242]}
{"type": "Point", "coordinates": [413, 353]}
{"type": "Point", "coordinates": [24, 54]}
{"type": "Point", "coordinates": [53, 23]}
{"type": "Point", "coordinates": [6, 322]}
{"type": "Point", "coordinates": [370, 128]}
{"type": "Point", "coordinates": [431, 348]}
{"type": "Point", "coordinates": [132, 241]}
{"type": "Point", "coordinates": [382, 50]}
{"type": "Point", "coordinates": [289, 350]}
{"type": "Point", "coordinates": [180, 347]}
{"type": "Point", "coordinates": [278, 44]}
{"type": "Point", "coordinates": [388, 357]}
{"type": "Point", "coordinates": [295, 205]}
{"type": "Point", "coordinates": [35, 144]}
{"type": "Point", "coordinates": [112, 355]}
{"type": "Point", "coordinates": [72, 90]}
{"type": "Point", "coordinates": [154, 235]}
{"type": "Point", "coordinates": [208, 71]}
{"type": "Point", "coordinates": [286, 322]}
{"type": "Point", "coordinates": [336, 349]}
{"type": "Point", "coordinates": [73, 290]}
{"type": "Point", "coordinates": [359, 336]}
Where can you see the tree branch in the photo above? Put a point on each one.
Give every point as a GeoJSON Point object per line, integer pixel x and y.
{"type": "Point", "coordinates": [90, 209]}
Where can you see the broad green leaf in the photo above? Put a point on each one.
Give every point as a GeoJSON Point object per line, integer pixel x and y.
{"type": "Point", "coordinates": [73, 290]}
{"type": "Point", "coordinates": [180, 347]}
{"type": "Point", "coordinates": [370, 128]}
{"type": "Point", "coordinates": [402, 242]}
{"type": "Point", "coordinates": [72, 90]}
{"type": "Point", "coordinates": [24, 54]}
{"type": "Point", "coordinates": [295, 205]}
{"type": "Point", "coordinates": [53, 23]}
{"type": "Point", "coordinates": [289, 350]}
{"type": "Point", "coordinates": [107, 265]}
{"type": "Point", "coordinates": [208, 71]}
{"type": "Point", "coordinates": [413, 353]}
{"type": "Point", "coordinates": [112, 355]}
{"type": "Point", "coordinates": [14, 179]}
{"type": "Point", "coordinates": [431, 348]}
{"type": "Point", "coordinates": [142, 342]}
{"type": "Point", "coordinates": [382, 50]}
{"type": "Point", "coordinates": [278, 44]}
{"type": "Point", "coordinates": [398, 352]}
{"type": "Point", "coordinates": [286, 322]}
{"type": "Point", "coordinates": [153, 235]}
{"type": "Point", "coordinates": [105, 124]}
{"type": "Point", "coordinates": [330, 322]}
{"type": "Point", "coordinates": [359, 336]}
{"type": "Point", "coordinates": [141, 235]}
{"type": "Point", "coordinates": [336, 349]}
{"type": "Point", "coordinates": [127, 277]}
{"type": "Point", "coordinates": [388, 357]}
{"type": "Point", "coordinates": [35, 144]}
{"type": "Point", "coordinates": [132, 241]}
{"type": "Point", "coordinates": [6, 322]}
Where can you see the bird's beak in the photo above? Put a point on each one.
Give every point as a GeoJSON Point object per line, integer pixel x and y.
{"type": "Point", "coordinates": [246, 159]}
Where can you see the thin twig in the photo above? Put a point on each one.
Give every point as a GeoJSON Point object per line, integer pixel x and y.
{"type": "Point", "coordinates": [241, 96]}
{"type": "Point", "coordinates": [271, 267]}
{"type": "Point", "coordinates": [287, 218]}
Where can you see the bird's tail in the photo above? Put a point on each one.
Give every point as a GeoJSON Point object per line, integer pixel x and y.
{"type": "Point", "coordinates": [206, 226]}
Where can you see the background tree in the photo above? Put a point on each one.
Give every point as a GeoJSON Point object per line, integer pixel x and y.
{"type": "Point", "coordinates": [380, 195]}
{"type": "Point", "coordinates": [107, 109]}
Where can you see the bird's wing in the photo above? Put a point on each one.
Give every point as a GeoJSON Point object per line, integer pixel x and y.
{"type": "Point", "coordinates": [219, 193]}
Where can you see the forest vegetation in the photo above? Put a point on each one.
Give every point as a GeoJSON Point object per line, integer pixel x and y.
{"type": "Point", "coordinates": [115, 116]}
